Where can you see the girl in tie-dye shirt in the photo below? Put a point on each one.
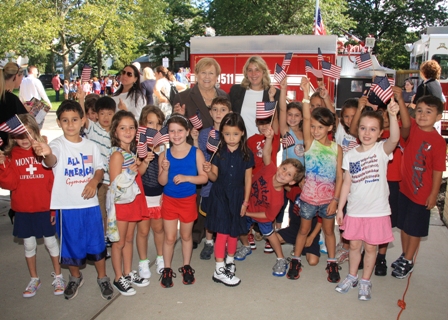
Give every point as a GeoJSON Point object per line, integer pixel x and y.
{"type": "Point", "coordinates": [323, 180]}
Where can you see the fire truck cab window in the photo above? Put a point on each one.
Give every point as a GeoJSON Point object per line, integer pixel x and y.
{"type": "Point", "coordinates": [442, 59]}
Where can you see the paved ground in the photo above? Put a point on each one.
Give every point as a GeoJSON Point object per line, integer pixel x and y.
{"type": "Point", "coordinates": [260, 295]}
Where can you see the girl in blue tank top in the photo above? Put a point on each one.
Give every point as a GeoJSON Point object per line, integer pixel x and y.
{"type": "Point", "coordinates": [180, 170]}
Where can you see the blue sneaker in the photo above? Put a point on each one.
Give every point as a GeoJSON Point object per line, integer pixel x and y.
{"type": "Point", "coordinates": [280, 267]}
{"type": "Point", "coordinates": [242, 252]}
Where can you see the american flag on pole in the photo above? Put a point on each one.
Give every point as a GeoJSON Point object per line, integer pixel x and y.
{"type": "Point", "coordinates": [320, 57]}
{"type": "Point", "coordinates": [331, 70]}
{"type": "Point", "coordinates": [287, 60]}
{"type": "Point", "coordinates": [309, 68]}
{"type": "Point", "coordinates": [279, 73]}
{"type": "Point", "coordinates": [382, 89]}
{"type": "Point", "coordinates": [196, 120]}
{"type": "Point", "coordinates": [391, 81]}
{"type": "Point", "coordinates": [149, 133]}
{"type": "Point", "coordinates": [142, 146]}
{"type": "Point", "coordinates": [288, 140]}
{"type": "Point", "coordinates": [85, 76]}
{"type": "Point", "coordinates": [319, 28]}
{"type": "Point", "coordinates": [13, 125]}
{"type": "Point", "coordinates": [364, 60]}
{"type": "Point", "coordinates": [265, 109]}
{"type": "Point", "coordinates": [161, 137]}
{"type": "Point", "coordinates": [213, 141]}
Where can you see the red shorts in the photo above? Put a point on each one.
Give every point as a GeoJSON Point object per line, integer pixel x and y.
{"type": "Point", "coordinates": [183, 209]}
{"type": "Point", "coordinates": [155, 213]}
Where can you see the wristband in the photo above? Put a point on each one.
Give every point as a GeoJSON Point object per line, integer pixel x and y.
{"type": "Point", "coordinates": [306, 101]}
{"type": "Point", "coordinates": [336, 199]}
{"type": "Point", "coordinates": [245, 203]}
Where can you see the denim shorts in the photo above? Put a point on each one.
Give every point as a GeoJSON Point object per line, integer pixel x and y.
{"type": "Point", "coordinates": [308, 211]}
{"type": "Point", "coordinates": [266, 228]}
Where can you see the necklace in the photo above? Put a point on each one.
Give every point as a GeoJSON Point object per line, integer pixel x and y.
{"type": "Point", "coordinates": [206, 99]}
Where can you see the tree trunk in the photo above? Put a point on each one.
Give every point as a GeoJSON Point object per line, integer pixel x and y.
{"type": "Point", "coordinates": [99, 61]}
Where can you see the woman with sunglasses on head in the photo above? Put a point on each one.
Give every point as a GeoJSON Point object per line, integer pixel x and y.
{"type": "Point", "coordinates": [11, 76]}
{"type": "Point", "coordinates": [129, 95]}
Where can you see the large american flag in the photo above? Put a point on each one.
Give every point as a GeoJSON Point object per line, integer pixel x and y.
{"type": "Point", "coordinates": [279, 73]}
{"type": "Point", "coordinates": [319, 28]}
{"type": "Point", "coordinates": [196, 121]}
{"type": "Point", "coordinates": [85, 76]}
{"type": "Point", "coordinates": [309, 68]}
{"type": "Point", "coordinates": [142, 146]}
{"type": "Point", "coordinates": [288, 140]}
{"type": "Point", "coordinates": [161, 137]}
{"type": "Point", "coordinates": [364, 60]}
{"type": "Point", "coordinates": [382, 89]}
{"type": "Point", "coordinates": [13, 125]}
{"type": "Point", "coordinates": [213, 141]}
{"type": "Point", "coordinates": [331, 70]}
{"type": "Point", "coordinates": [320, 57]}
{"type": "Point", "coordinates": [265, 109]}
{"type": "Point", "coordinates": [287, 60]}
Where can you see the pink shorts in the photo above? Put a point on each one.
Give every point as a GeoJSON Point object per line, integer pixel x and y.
{"type": "Point", "coordinates": [374, 231]}
{"type": "Point", "coordinates": [183, 209]}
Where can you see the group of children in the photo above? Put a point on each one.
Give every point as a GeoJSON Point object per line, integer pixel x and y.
{"type": "Point", "coordinates": [242, 186]}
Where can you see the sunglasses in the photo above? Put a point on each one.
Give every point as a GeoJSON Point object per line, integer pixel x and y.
{"type": "Point", "coordinates": [129, 74]}
{"type": "Point", "coordinates": [19, 70]}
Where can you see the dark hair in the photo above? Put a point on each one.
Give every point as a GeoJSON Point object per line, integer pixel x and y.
{"type": "Point", "coordinates": [120, 115]}
{"type": "Point", "coordinates": [180, 120]}
{"type": "Point", "coordinates": [223, 101]}
{"type": "Point", "coordinates": [317, 95]}
{"type": "Point", "coordinates": [136, 91]}
{"type": "Point", "coordinates": [105, 103]}
{"type": "Point", "coordinates": [296, 105]}
{"type": "Point", "coordinates": [90, 102]}
{"type": "Point", "coordinates": [324, 116]}
{"type": "Point", "coordinates": [300, 169]}
{"type": "Point", "coordinates": [69, 105]}
{"type": "Point", "coordinates": [432, 102]}
{"type": "Point", "coordinates": [164, 71]}
{"type": "Point", "coordinates": [373, 115]}
{"type": "Point", "coordinates": [151, 109]}
{"type": "Point", "coordinates": [260, 122]}
{"type": "Point", "coordinates": [234, 120]}
{"type": "Point", "coordinates": [351, 103]}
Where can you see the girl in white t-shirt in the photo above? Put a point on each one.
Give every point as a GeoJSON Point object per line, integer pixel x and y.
{"type": "Point", "coordinates": [365, 188]}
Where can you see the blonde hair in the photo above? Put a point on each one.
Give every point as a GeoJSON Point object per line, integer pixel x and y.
{"type": "Point", "coordinates": [33, 128]}
{"type": "Point", "coordinates": [148, 74]}
{"type": "Point", "coordinates": [11, 69]}
{"type": "Point", "coordinates": [207, 62]}
{"type": "Point", "coordinates": [260, 63]}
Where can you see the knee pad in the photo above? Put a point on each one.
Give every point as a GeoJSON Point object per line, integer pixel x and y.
{"type": "Point", "coordinates": [52, 246]}
{"type": "Point", "coordinates": [30, 245]}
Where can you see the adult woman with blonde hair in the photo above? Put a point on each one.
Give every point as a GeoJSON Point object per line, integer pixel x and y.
{"type": "Point", "coordinates": [11, 76]}
{"type": "Point", "coordinates": [148, 84]}
{"type": "Point", "coordinates": [255, 87]}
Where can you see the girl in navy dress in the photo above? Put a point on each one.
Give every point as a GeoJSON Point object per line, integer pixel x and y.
{"type": "Point", "coordinates": [231, 173]}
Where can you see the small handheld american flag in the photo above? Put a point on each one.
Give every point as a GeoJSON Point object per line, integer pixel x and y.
{"type": "Point", "coordinates": [265, 109]}
{"type": "Point", "coordinates": [149, 133]}
{"type": "Point", "coordinates": [331, 70]}
{"type": "Point", "coordinates": [142, 146]}
{"type": "Point", "coordinates": [279, 73]}
{"type": "Point", "coordinates": [382, 89]}
{"type": "Point", "coordinates": [161, 137]}
{"type": "Point", "coordinates": [213, 141]}
{"type": "Point", "coordinates": [196, 121]}
{"type": "Point", "coordinates": [13, 125]}
{"type": "Point", "coordinates": [309, 68]}
{"type": "Point", "coordinates": [363, 60]}
{"type": "Point", "coordinates": [287, 61]}
{"type": "Point", "coordinates": [288, 140]}
{"type": "Point", "coordinates": [320, 57]}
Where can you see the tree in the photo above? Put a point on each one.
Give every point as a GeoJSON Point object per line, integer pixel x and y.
{"type": "Point", "coordinates": [186, 21]}
{"type": "Point", "coordinates": [261, 17]}
{"type": "Point", "coordinates": [65, 27]}
{"type": "Point", "coordinates": [394, 23]}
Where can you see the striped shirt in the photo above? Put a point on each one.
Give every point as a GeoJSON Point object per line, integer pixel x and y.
{"type": "Point", "coordinates": [101, 137]}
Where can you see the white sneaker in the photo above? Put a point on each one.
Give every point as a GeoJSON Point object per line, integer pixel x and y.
{"type": "Point", "coordinates": [160, 264]}
{"type": "Point", "coordinates": [226, 277]}
{"type": "Point", "coordinates": [143, 269]}
{"type": "Point", "coordinates": [58, 284]}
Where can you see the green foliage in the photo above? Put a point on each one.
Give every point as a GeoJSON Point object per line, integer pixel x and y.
{"type": "Point", "coordinates": [390, 21]}
{"type": "Point", "coordinates": [261, 17]}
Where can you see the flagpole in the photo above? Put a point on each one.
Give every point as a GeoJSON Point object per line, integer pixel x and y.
{"type": "Point", "coordinates": [215, 151]}
{"type": "Point", "coordinates": [275, 108]}
{"type": "Point", "coordinates": [29, 135]}
{"type": "Point", "coordinates": [316, 14]}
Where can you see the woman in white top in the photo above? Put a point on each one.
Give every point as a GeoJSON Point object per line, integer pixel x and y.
{"type": "Point", "coordinates": [162, 91]}
{"type": "Point", "coordinates": [129, 95]}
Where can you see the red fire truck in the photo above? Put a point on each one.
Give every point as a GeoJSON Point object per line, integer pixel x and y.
{"type": "Point", "coordinates": [232, 52]}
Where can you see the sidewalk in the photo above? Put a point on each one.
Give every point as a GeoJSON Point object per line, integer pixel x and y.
{"type": "Point", "coordinates": [259, 296]}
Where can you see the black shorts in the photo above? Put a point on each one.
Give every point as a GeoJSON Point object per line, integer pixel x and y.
{"type": "Point", "coordinates": [394, 191]}
{"type": "Point", "coordinates": [412, 218]}
{"type": "Point", "coordinates": [289, 234]}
